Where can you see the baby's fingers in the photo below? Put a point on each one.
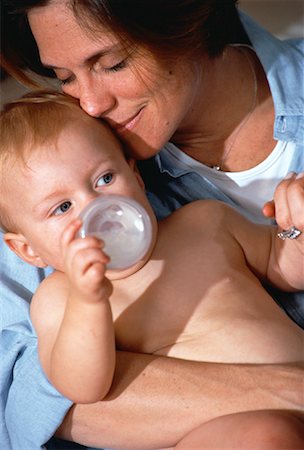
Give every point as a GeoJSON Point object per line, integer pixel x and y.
{"type": "Point", "coordinates": [70, 233]}
{"type": "Point", "coordinates": [87, 258]}
{"type": "Point", "coordinates": [76, 250]}
{"type": "Point", "coordinates": [95, 282]}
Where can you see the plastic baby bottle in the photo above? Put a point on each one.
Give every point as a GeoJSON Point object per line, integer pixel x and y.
{"type": "Point", "coordinates": [124, 226]}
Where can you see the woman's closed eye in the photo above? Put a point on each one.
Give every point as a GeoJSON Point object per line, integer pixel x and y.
{"type": "Point", "coordinates": [65, 81]}
{"type": "Point", "coordinates": [63, 77]}
{"type": "Point", "coordinates": [62, 208]}
{"type": "Point", "coordinates": [121, 65]}
{"type": "Point", "coordinates": [97, 67]}
{"type": "Point", "coordinates": [104, 179]}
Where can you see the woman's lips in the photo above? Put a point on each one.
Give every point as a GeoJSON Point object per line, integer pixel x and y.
{"type": "Point", "coordinates": [130, 123]}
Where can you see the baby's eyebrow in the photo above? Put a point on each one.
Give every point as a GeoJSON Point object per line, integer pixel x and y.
{"type": "Point", "coordinates": [46, 200]}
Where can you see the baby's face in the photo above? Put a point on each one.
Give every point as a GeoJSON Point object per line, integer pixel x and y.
{"type": "Point", "coordinates": [60, 179]}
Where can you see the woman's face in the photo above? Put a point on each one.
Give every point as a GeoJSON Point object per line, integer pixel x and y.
{"type": "Point", "coordinates": [144, 101]}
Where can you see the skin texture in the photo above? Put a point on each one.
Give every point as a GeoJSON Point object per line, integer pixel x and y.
{"type": "Point", "coordinates": [137, 106]}
{"type": "Point", "coordinates": [46, 204]}
{"type": "Point", "coordinates": [152, 386]}
{"type": "Point", "coordinates": [68, 310]}
{"type": "Point", "coordinates": [197, 400]}
{"type": "Point", "coordinates": [263, 429]}
{"type": "Point", "coordinates": [62, 179]}
{"type": "Point", "coordinates": [149, 103]}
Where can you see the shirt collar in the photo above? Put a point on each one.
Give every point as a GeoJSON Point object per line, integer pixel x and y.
{"type": "Point", "coordinates": [283, 65]}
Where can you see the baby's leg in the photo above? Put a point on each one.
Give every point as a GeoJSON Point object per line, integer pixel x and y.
{"type": "Point", "coordinates": [263, 430]}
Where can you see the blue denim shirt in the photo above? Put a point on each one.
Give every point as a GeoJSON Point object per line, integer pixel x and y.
{"type": "Point", "coordinates": [31, 409]}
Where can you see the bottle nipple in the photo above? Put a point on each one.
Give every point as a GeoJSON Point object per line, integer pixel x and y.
{"type": "Point", "coordinates": [124, 226]}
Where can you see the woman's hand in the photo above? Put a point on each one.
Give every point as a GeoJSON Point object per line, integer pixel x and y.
{"type": "Point", "coordinates": [85, 264]}
{"type": "Point", "coordinates": [288, 204]}
{"type": "Point", "coordinates": [288, 210]}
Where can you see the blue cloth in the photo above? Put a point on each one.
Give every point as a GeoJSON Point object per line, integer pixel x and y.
{"type": "Point", "coordinates": [31, 409]}
{"type": "Point", "coordinates": [24, 416]}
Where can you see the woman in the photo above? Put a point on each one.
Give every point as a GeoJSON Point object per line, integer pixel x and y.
{"type": "Point", "coordinates": [158, 72]}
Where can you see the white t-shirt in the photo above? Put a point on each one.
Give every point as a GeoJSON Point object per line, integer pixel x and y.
{"type": "Point", "coordinates": [249, 188]}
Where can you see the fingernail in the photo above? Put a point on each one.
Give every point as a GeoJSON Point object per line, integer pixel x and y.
{"type": "Point", "coordinates": [300, 175]}
{"type": "Point", "coordinates": [77, 223]}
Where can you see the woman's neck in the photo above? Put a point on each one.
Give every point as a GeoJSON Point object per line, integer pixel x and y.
{"type": "Point", "coordinates": [233, 97]}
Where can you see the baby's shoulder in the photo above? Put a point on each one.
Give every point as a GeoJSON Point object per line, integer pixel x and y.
{"type": "Point", "coordinates": [56, 280]}
{"type": "Point", "coordinates": [50, 298]}
{"type": "Point", "coordinates": [199, 221]}
{"type": "Point", "coordinates": [204, 213]}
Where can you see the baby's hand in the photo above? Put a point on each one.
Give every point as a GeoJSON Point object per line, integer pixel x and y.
{"type": "Point", "coordinates": [85, 264]}
{"type": "Point", "coordinates": [288, 204]}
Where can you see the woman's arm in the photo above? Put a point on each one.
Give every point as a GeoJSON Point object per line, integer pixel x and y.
{"type": "Point", "coordinates": [155, 401]}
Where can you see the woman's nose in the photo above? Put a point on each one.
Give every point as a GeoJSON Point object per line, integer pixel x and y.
{"type": "Point", "coordinates": [96, 100]}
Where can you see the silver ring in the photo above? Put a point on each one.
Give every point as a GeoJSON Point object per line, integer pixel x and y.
{"type": "Point", "coordinates": [292, 233]}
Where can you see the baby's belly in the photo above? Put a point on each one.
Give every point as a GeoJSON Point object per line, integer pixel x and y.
{"type": "Point", "coordinates": [242, 324]}
{"type": "Point", "coordinates": [243, 341]}
{"type": "Point", "coordinates": [231, 336]}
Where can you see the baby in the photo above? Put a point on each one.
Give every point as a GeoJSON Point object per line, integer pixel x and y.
{"type": "Point", "coordinates": [197, 293]}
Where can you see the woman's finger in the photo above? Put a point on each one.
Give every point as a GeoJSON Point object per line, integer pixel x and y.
{"type": "Point", "coordinates": [296, 201]}
{"type": "Point", "coordinates": [269, 209]}
{"type": "Point", "coordinates": [282, 202]}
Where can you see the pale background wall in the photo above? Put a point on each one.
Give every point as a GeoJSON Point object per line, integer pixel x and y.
{"type": "Point", "coordinates": [284, 18]}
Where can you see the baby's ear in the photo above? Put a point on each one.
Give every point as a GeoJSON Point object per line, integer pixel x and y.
{"type": "Point", "coordinates": [19, 245]}
{"type": "Point", "coordinates": [134, 168]}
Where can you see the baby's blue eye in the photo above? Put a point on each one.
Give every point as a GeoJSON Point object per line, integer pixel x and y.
{"type": "Point", "coordinates": [63, 208]}
{"type": "Point", "coordinates": [105, 179]}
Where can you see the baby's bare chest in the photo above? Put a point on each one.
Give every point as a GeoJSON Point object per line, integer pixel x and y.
{"type": "Point", "coordinates": [204, 304]}
{"type": "Point", "coordinates": [176, 296]}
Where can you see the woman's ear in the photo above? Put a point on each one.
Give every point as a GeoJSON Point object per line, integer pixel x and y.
{"type": "Point", "coordinates": [19, 245]}
{"type": "Point", "coordinates": [134, 168]}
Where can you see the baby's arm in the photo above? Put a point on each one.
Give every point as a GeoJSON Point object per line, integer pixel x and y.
{"type": "Point", "coordinates": [73, 320]}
